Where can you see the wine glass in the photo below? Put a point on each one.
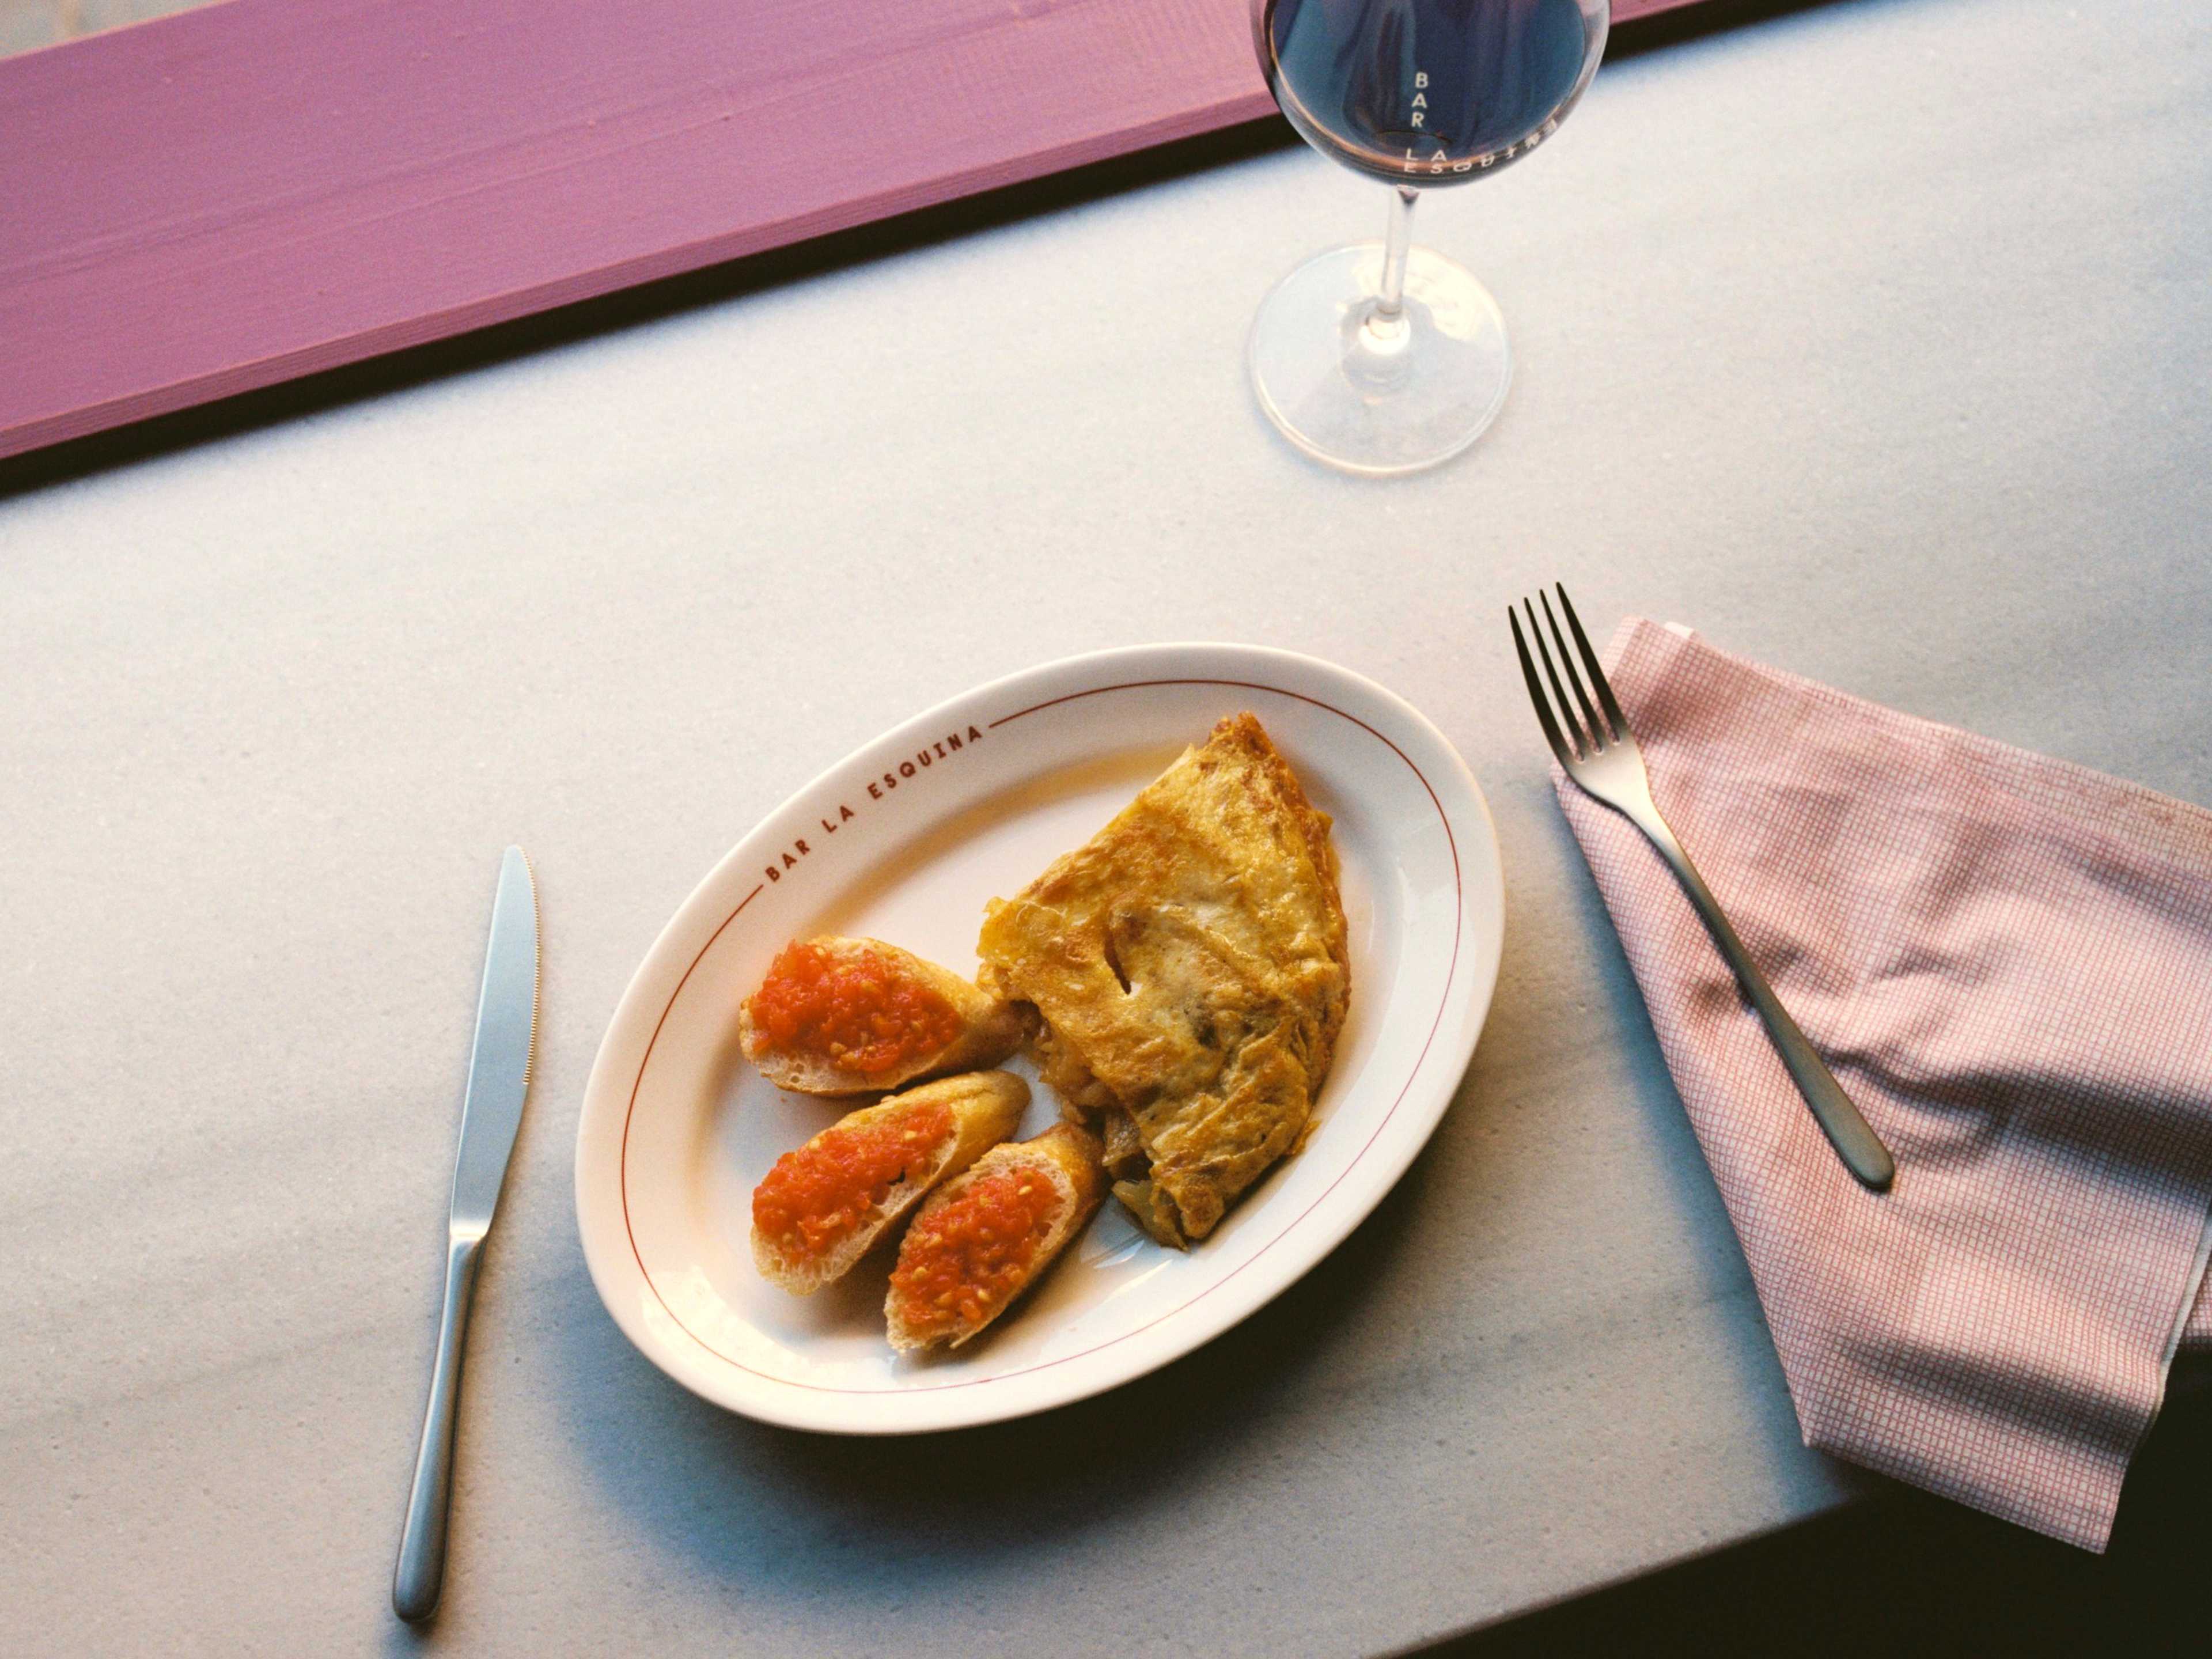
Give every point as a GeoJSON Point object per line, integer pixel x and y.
{"type": "Point", "coordinates": [1381, 357]}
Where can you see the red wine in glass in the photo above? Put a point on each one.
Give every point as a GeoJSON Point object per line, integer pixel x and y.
{"type": "Point", "coordinates": [1430, 92]}
{"type": "Point", "coordinates": [1382, 358]}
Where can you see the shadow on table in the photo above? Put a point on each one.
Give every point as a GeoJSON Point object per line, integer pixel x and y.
{"type": "Point", "coordinates": [870, 1526]}
{"type": "Point", "coordinates": [837, 1529]}
{"type": "Point", "coordinates": [1905, 1574]}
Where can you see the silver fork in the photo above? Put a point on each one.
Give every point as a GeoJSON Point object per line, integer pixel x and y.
{"type": "Point", "coordinates": [1595, 748]}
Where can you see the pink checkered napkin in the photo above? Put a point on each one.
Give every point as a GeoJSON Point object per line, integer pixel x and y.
{"type": "Point", "coordinates": [2007, 961]}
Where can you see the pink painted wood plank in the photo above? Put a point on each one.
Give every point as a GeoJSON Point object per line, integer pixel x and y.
{"type": "Point", "coordinates": [235, 196]}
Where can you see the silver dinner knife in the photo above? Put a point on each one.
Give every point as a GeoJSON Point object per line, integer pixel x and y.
{"type": "Point", "coordinates": [499, 1078]}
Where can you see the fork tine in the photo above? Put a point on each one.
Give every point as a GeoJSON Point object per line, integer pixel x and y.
{"type": "Point", "coordinates": [1567, 662]}
{"type": "Point", "coordinates": [1589, 658]}
{"type": "Point", "coordinates": [1552, 733]}
{"type": "Point", "coordinates": [1587, 741]}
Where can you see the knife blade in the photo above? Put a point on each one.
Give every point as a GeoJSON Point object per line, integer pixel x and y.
{"type": "Point", "coordinates": [498, 1064]}
{"type": "Point", "coordinates": [491, 1114]}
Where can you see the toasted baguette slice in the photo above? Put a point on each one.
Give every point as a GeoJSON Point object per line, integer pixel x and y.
{"type": "Point", "coordinates": [823, 1204]}
{"type": "Point", "coordinates": [951, 1025]}
{"type": "Point", "coordinates": [987, 1237]}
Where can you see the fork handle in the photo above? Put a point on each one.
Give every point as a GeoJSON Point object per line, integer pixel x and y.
{"type": "Point", "coordinates": [421, 1573]}
{"type": "Point", "coordinates": [1848, 1133]}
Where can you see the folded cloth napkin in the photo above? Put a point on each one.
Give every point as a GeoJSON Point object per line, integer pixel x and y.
{"type": "Point", "coordinates": [2007, 962]}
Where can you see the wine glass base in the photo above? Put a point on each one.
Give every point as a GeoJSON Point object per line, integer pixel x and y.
{"type": "Point", "coordinates": [1367, 394]}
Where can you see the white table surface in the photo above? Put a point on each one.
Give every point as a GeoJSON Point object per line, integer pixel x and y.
{"type": "Point", "coordinates": [1874, 341]}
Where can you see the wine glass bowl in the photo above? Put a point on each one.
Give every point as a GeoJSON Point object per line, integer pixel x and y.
{"type": "Point", "coordinates": [1382, 357]}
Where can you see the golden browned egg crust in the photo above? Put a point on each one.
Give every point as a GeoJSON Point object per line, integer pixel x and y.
{"type": "Point", "coordinates": [1189, 965]}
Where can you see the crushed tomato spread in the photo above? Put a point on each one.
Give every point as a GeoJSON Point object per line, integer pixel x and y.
{"type": "Point", "coordinates": [963, 1261]}
{"type": "Point", "coordinates": [819, 1195]}
{"type": "Point", "coordinates": [858, 1010]}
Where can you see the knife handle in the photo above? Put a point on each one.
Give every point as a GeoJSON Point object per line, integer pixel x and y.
{"type": "Point", "coordinates": [420, 1573]}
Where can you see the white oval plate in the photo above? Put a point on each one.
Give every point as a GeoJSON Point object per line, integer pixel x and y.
{"type": "Point", "coordinates": [905, 841]}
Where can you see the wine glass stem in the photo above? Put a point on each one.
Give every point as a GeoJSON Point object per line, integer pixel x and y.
{"type": "Point", "coordinates": [1396, 241]}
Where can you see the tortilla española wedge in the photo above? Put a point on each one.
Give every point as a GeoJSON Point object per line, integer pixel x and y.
{"type": "Point", "coordinates": [1190, 967]}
